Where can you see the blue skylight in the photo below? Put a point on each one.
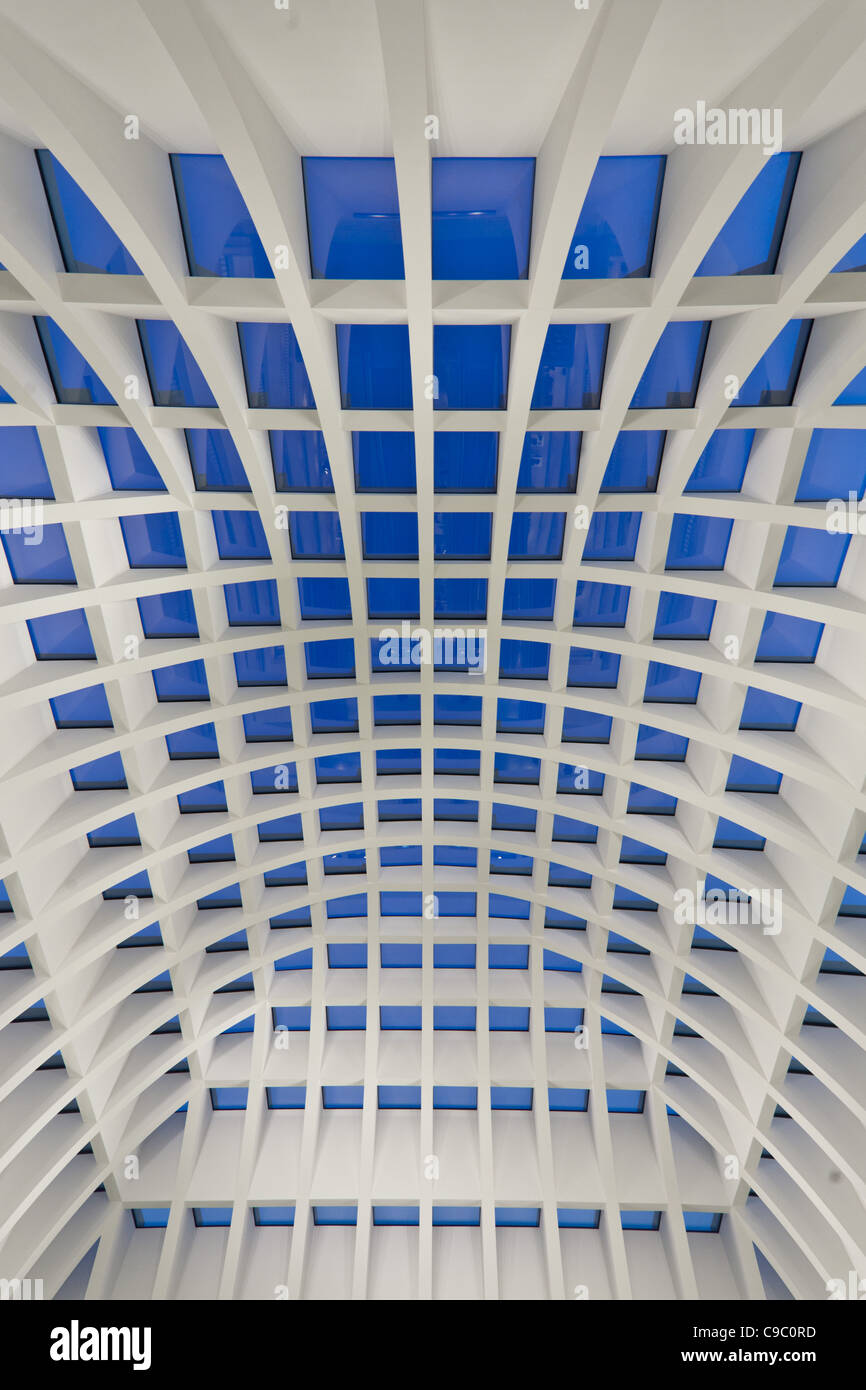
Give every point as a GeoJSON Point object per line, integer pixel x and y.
{"type": "Point", "coordinates": [218, 231]}
{"type": "Point", "coordinates": [749, 242]}
{"type": "Point", "coordinates": [615, 232]}
{"type": "Point", "coordinates": [482, 212]}
{"type": "Point", "coordinates": [353, 218]}
{"type": "Point", "coordinates": [87, 243]}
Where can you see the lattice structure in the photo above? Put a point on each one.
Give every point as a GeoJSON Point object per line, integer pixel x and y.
{"type": "Point", "coordinates": [416, 1093]}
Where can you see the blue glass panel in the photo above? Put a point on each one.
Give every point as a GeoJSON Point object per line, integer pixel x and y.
{"type": "Point", "coordinates": [454, 1018]}
{"type": "Point", "coordinates": [153, 541]}
{"type": "Point", "coordinates": [574, 831]}
{"type": "Point", "coordinates": [616, 229]}
{"type": "Point", "coordinates": [482, 211]}
{"type": "Point", "coordinates": [218, 231]}
{"type": "Point", "coordinates": [404, 808]}
{"type": "Point", "coordinates": [773, 380]}
{"type": "Point", "coordinates": [274, 371]}
{"type": "Point", "coordinates": [399, 1097]}
{"type": "Point", "coordinates": [263, 666]}
{"type": "Point", "coordinates": [324, 598]}
{"type": "Point", "coordinates": [585, 726]}
{"type": "Point", "coordinates": [855, 259]}
{"type": "Point", "coordinates": [396, 856]}
{"type": "Point", "coordinates": [334, 716]}
{"type": "Point", "coordinates": [519, 717]}
{"type": "Point", "coordinates": [375, 371]}
{"type": "Point", "coordinates": [338, 767]}
{"type": "Point", "coordinates": [199, 799]}
{"type": "Point", "coordinates": [640, 1220]}
{"type": "Point", "coordinates": [671, 684]}
{"type": "Point", "coordinates": [300, 461]}
{"type": "Point", "coordinates": [764, 710]}
{"type": "Point", "coordinates": [99, 773]}
{"type": "Point", "coordinates": [87, 243]}
{"type": "Point", "coordinates": [129, 465]}
{"type": "Point", "coordinates": [527, 599]}
{"type": "Point", "coordinates": [503, 905]}
{"type": "Point", "coordinates": [389, 535]}
{"type": "Point", "coordinates": [576, 1218]}
{"type": "Point", "coordinates": [729, 835]}
{"type": "Point", "coordinates": [384, 460]}
{"type": "Point", "coordinates": [519, 660]}
{"type": "Point", "coordinates": [396, 709]}
{"type": "Point", "coordinates": [549, 461]}
{"type": "Point", "coordinates": [395, 1216]}
{"type": "Point", "coordinates": [461, 535]}
{"type": "Point", "coordinates": [536, 536]}
{"type": "Point", "coordinates": [43, 561]}
{"type": "Point", "coordinates": [454, 1098]}
{"type": "Point", "coordinates": [175, 377]}
{"type": "Point", "coordinates": [811, 558]}
{"type": "Point", "coordinates": [456, 1216]}
{"type": "Point", "coordinates": [274, 1216]}
{"type": "Point", "coordinates": [82, 709]}
{"type": "Point", "coordinates": [62, 637]}
{"type": "Point", "coordinates": [612, 536]}
{"type": "Point", "coordinates": [571, 368]}
{"type": "Point", "coordinates": [855, 391]}
{"type": "Point", "coordinates": [400, 1017]}
{"type": "Point", "coordinates": [342, 1097]}
{"type": "Point", "coordinates": [518, 1216]}
{"type": "Point", "coordinates": [465, 461]}
{"type": "Point", "coordinates": [508, 1018]}
{"type": "Point", "coordinates": [393, 598]}
{"type": "Point", "coordinates": [835, 466]}
{"type": "Point", "coordinates": [660, 744]}
{"type": "Point", "coordinates": [745, 775]}
{"type": "Point", "coordinates": [471, 365]}
{"type": "Point", "coordinates": [335, 656]}
{"type": "Point", "coordinates": [168, 615]}
{"type": "Point", "coordinates": [460, 598]}
{"type": "Point", "coordinates": [123, 831]}
{"type": "Point", "coordinates": [599, 605]}
{"type": "Point", "coordinates": [588, 667]}
{"type": "Point", "coordinates": [786, 638]}
{"type": "Point", "coordinates": [647, 801]}
{"type": "Point", "coordinates": [74, 380]}
{"type": "Point", "coordinates": [353, 218]}
{"type": "Point", "coordinates": [671, 376]}
{"type": "Point", "coordinates": [684, 616]}
{"type": "Point", "coordinates": [23, 472]}
{"type": "Point", "coordinates": [216, 463]}
{"type": "Point", "coordinates": [749, 242]}
{"type": "Point", "coordinates": [634, 462]}
{"type": "Point", "coordinates": [625, 1102]}
{"type": "Point", "coordinates": [184, 681]}
{"type": "Point", "coordinates": [722, 464]}
{"type": "Point", "coordinates": [698, 542]}
{"type": "Point", "coordinates": [562, 1021]}
{"type": "Point", "coordinates": [254, 603]}
{"type": "Point", "coordinates": [316, 536]}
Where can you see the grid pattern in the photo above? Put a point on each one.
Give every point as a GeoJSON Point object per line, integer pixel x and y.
{"type": "Point", "coordinates": [492, 1060]}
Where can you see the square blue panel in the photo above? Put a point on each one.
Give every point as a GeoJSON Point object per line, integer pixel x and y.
{"type": "Point", "coordinates": [671, 684]}
{"type": "Point", "coordinates": [461, 535]}
{"type": "Point", "coordinates": [23, 472]}
{"type": "Point", "coordinates": [465, 461]}
{"type": "Point", "coordinates": [508, 1018]}
{"type": "Point", "coordinates": [470, 362]}
{"type": "Point", "coordinates": [659, 745]}
{"type": "Point", "coordinates": [261, 666]}
{"type": "Point", "coordinates": [563, 1021]}
{"type": "Point", "coordinates": [580, 781]}
{"type": "Point", "coordinates": [87, 243]}
{"type": "Point", "coordinates": [704, 1221]}
{"type": "Point", "coordinates": [199, 742]}
{"type": "Point", "coordinates": [216, 463]}
{"type": "Point", "coordinates": [698, 542]}
{"type": "Point", "coordinates": [62, 637]}
{"type": "Point", "coordinates": [212, 1216]}
{"type": "Point", "coordinates": [549, 461]}
{"type": "Point", "coordinates": [184, 681]}
{"type": "Point", "coordinates": [749, 242]}
{"type": "Point", "coordinates": [572, 367]}
{"type": "Point", "coordinates": [520, 717]}
{"type": "Point", "coordinates": [773, 380]}
{"type": "Point", "coordinates": [457, 709]}
{"type": "Point", "coordinates": [536, 536]}
{"type": "Point", "coordinates": [129, 465]}
{"type": "Point", "coordinates": [670, 378]}
{"type": "Point", "coordinates": [353, 218]}
{"type": "Point", "coordinates": [334, 716]}
{"type": "Point", "coordinates": [764, 710]}
{"type": "Point", "coordinates": [240, 535]}
{"type": "Point", "coordinates": [384, 460]}
{"type": "Point", "coordinates": [723, 462]}
{"type": "Point", "coordinates": [333, 657]}
{"type": "Point", "coordinates": [396, 709]}
{"type": "Point", "coordinates": [252, 604]}
{"type": "Point", "coordinates": [634, 462]}
{"type": "Point", "coordinates": [74, 380]}
{"type": "Point", "coordinates": [389, 535]}
{"type": "Point", "coordinates": [649, 802]}
{"type": "Point", "coordinates": [810, 558]}
{"type": "Point", "coordinates": [504, 906]}
{"type": "Point", "coordinates": [786, 638]}
{"type": "Point", "coordinates": [615, 232]}
{"type": "Point", "coordinates": [399, 856]}
{"type": "Point", "coordinates": [99, 774]}
{"type": "Point", "coordinates": [268, 725]}
{"type": "Point", "coordinates": [593, 668]}
{"type": "Point", "coordinates": [612, 536]}
{"type": "Point", "coordinates": [482, 214]}
{"type": "Point", "coordinates": [153, 540]}
{"type": "Point", "coordinates": [39, 560]}
{"type": "Point", "coordinates": [375, 371]}
{"type": "Point", "coordinates": [350, 861]}
{"type": "Point", "coordinates": [300, 461]}
{"type": "Point", "coordinates": [599, 605]}
{"type": "Point", "coordinates": [520, 660]}
{"type": "Point", "coordinates": [585, 726]}
{"type": "Point", "coordinates": [218, 232]}
{"type": "Point", "coordinates": [316, 536]}
{"type": "Point", "coordinates": [640, 1220]}
{"type": "Point", "coordinates": [175, 377]}
{"type": "Point", "coordinates": [835, 466]}
{"type": "Point", "coordinates": [744, 775]}
{"type": "Point", "coordinates": [729, 835]}
{"type": "Point", "coordinates": [324, 598]}
{"type": "Point", "coordinates": [459, 598]}
{"type": "Point", "coordinates": [528, 599]}
{"type": "Point", "coordinates": [168, 615]}
{"type": "Point", "coordinates": [274, 371]}
{"type": "Point", "coordinates": [403, 904]}
{"type": "Point", "coordinates": [569, 831]}
{"type": "Point", "coordinates": [683, 616]}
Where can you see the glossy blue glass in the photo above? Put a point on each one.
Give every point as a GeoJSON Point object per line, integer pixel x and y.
{"type": "Point", "coordinates": [698, 542]}
{"type": "Point", "coordinates": [470, 363]}
{"type": "Point", "coordinates": [47, 562]}
{"type": "Point", "coordinates": [549, 461]}
{"type": "Point", "coordinates": [374, 366]}
{"type": "Point", "coordinates": [218, 231]}
{"type": "Point", "coordinates": [536, 536]}
{"type": "Point", "coordinates": [23, 471]}
{"type": "Point", "coordinates": [670, 378]}
{"type": "Point", "coordinates": [600, 605]}
{"type": "Point", "coordinates": [612, 536]}
{"type": "Point", "coordinates": [482, 214]}
{"type": "Point", "coordinates": [528, 598]}
{"type": "Point", "coordinates": [129, 465]}
{"type": "Point", "coordinates": [87, 243]}
{"type": "Point", "coordinates": [353, 218]}
{"type": "Point", "coordinates": [572, 367]}
{"type": "Point", "coordinates": [175, 377]}
{"type": "Point", "coordinates": [300, 461]}
{"type": "Point", "coordinates": [634, 462]}
{"type": "Point", "coordinates": [462, 535]}
{"type": "Point", "coordinates": [723, 462]}
{"type": "Point", "coordinates": [274, 371]}
{"type": "Point", "coordinates": [749, 242]}
{"type": "Point", "coordinates": [773, 380]}
{"type": "Point", "coordinates": [464, 461]}
{"type": "Point", "coordinates": [215, 461]}
{"type": "Point", "coordinates": [811, 558]}
{"type": "Point", "coordinates": [74, 380]}
{"type": "Point", "coordinates": [615, 232]}
{"type": "Point", "coordinates": [835, 466]}
{"type": "Point", "coordinates": [384, 460]}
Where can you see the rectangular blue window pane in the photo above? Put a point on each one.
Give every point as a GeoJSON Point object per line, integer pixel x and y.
{"type": "Point", "coordinates": [745, 775]}
{"type": "Point", "coordinates": [773, 380]}
{"type": "Point", "coordinates": [600, 605]}
{"type": "Point", "coordinates": [384, 460]}
{"type": "Point", "coordinates": [397, 956]}
{"type": "Point", "coordinates": [660, 744]}
{"type": "Point", "coordinates": [253, 603]}
{"type": "Point", "coordinates": [581, 780]}
{"type": "Point", "coordinates": [316, 536]}
{"type": "Point", "coordinates": [454, 1018]}
{"type": "Point", "coordinates": [149, 1218]}
{"type": "Point", "coordinates": [593, 668]}
{"type": "Point", "coordinates": [452, 808]}
{"type": "Point", "coordinates": [482, 211]}
{"type": "Point", "coordinates": [215, 461]}
{"type": "Point", "coordinates": [353, 218]}
{"type": "Point", "coordinates": [508, 957]}
{"type": "Point", "coordinates": [554, 960]}
{"type": "Point", "coordinates": [470, 363]}
{"type": "Point", "coordinates": [456, 1216]}
{"type": "Point", "coordinates": [698, 542]}
{"type": "Point", "coordinates": [23, 471]}
{"type": "Point", "coordinates": [518, 1216]}
{"type": "Point", "coordinates": [574, 831]}
{"type": "Point", "coordinates": [578, 1218]}
{"type": "Point", "coordinates": [465, 461]}
{"type": "Point", "coordinates": [391, 762]}
{"type": "Point", "coordinates": [709, 1221]}
{"type": "Point", "coordinates": [640, 1220]}
{"type": "Point", "coordinates": [240, 535]}
{"type": "Point", "coordinates": [375, 371]}
{"type": "Point", "coordinates": [457, 709]}
{"type": "Point", "coordinates": [508, 1018]}
{"type": "Point", "coordinates": [835, 466]}
{"type": "Point", "coordinates": [615, 232]}
{"type": "Point", "coordinates": [512, 767]}
{"type": "Point", "coordinates": [335, 1216]}
{"type": "Point", "coordinates": [674, 684]}
{"type": "Point", "coordinates": [625, 1102]}
{"type": "Point", "coordinates": [503, 862]}
{"type": "Point", "coordinates": [338, 767]}
{"type": "Point", "coordinates": [292, 1018]}
{"type": "Point", "coordinates": [229, 1097]}
{"type": "Point", "coordinates": [455, 1097]}
{"type": "Point", "coordinates": [324, 598]}
{"type": "Point", "coordinates": [503, 905]}
{"type": "Point", "coordinates": [395, 1216]}
{"type": "Point", "coordinates": [274, 1216]}
{"type": "Point", "coordinates": [186, 680]}
{"type": "Point", "coordinates": [810, 558]}
{"type": "Point", "coordinates": [265, 666]}
{"type": "Point", "coordinates": [571, 368]}
{"type": "Point", "coordinates": [528, 598]}
{"type": "Point", "coordinates": [612, 536]}
{"type": "Point", "coordinates": [87, 243]}
{"type": "Point", "coordinates": [404, 808]}
{"type": "Point", "coordinates": [459, 598]}
{"type": "Point", "coordinates": [749, 242]}
{"type": "Point", "coordinates": [99, 773]}
{"type": "Point", "coordinates": [200, 742]}
{"type": "Point", "coordinates": [729, 835]}
{"type": "Point", "coordinates": [346, 1017]}
{"type": "Point", "coordinates": [519, 717]}
{"type": "Point", "coordinates": [82, 709]}
{"type": "Point", "coordinates": [671, 376]}
{"type": "Point", "coordinates": [129, 465]}
{"type": "Point", "coordinates": [723, 462]}
{"type": "Point", "coordinates": [683, 616]}
{"type": "Point", "coordinates": [396, 709]}
{"type": "Point", "coordinates": [47, 562]}
{"type": "Point", "coordinates": [393, 598]}
{"type": "Point", "coordinates": [123, 831]}
{"type": "Point", "coordinates": [460, 535]}
{"type": "Point", "coordinates": [153, 541]}
{"type": "Point", "coordinates": [400, 1017]}
{"type": "Point", "coordinates": [212, 1216]}
{"type": "Point", "coordinates": [562, 1020]}
{"type": "Point", "coordinates": [785, 638]}
{"type": "Point", "coordinates": [268, 725]}
{"type": "Point", "coordinates": [169, 615]}
{"type": "Point", "coordinates": [764, 710]}
{"type": "Point", "coordinates": [634, 462]}
{"type": "Point", "coordinates": [342, 1097]}
{"type": "Point", "coordinates": [62, 637]}
{"type": "Point", "coordinates": [394, 856]}
{"type": "Point", "coordinates": [218, 232]}
{"type": "Point", "coordinates": [175, 377]}
{"type": "Point", "coordinates": [300, 461]}
{"type": "Point", "coordinates": [334, 716]}
{"type": "Point", "coordinates": [536, 536]}
{"type": "Point", "coordinates": [454, 956]}
{"type": "Point", "coordinates": [74, 380]}
{"type": "Point", "coordinates": [389, 535]}
{"type": "Point", "coordinates": [274, 371]}
{"type": "Point", "coordinates": [399, 1097]}
{"type": "Point", "coordinates": [521, 660]}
